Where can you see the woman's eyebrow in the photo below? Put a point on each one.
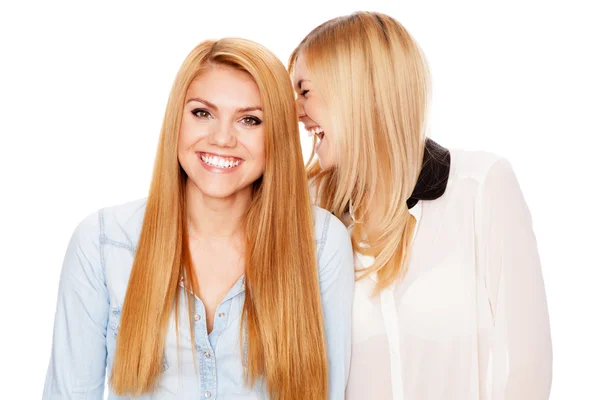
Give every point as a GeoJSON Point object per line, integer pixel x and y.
{"type": "Point", "coordinates": [214, 106]}
{"type": "Point", "coordinates": [198, 99]}
{"type": "Point", "coordinates": [248, 109]}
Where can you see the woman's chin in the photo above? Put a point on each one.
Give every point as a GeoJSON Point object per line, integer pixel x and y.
{"type": "Point", "coordinates": [221, 190]}
{"type": "Point", "coordinates": [325, 162]}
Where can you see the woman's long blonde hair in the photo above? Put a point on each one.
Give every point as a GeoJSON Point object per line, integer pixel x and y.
{"type": "Point", "coordinates": [282, 317]}
{"type": "Point", "coordinates": [374, 81]}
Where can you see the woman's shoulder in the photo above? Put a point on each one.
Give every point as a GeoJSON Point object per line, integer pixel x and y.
{"type": "Point", "coordinates": [479, 174]}
{"type": "Point", "coordinates": [472, 164]}
{"type": "Point", "coordinates": [122, 223]}
{"type": "Point", "coordinates": [118, 224]}
{"type": "Point", "coordinates": [326, 223]}
{"type": "Point", "coordinates": [331, 235]}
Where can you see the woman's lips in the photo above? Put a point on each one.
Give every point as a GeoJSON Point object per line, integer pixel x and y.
{"type": "Point", "coordinates": [218, 163]}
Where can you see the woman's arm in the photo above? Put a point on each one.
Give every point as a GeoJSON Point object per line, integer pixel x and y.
{"type": "Point", "coordinates": [78, 360]}
{"type": "Point", "coordinates": [522, 348]}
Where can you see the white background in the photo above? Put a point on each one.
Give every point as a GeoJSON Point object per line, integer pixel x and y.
{"type": "Point", "coordinates": [83, 88]}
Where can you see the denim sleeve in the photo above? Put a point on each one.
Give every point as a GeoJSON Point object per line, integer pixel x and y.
{"type": "Point", "coordinates": [78, 358]}
{"type": "Point", "coordinates": [336, 276]}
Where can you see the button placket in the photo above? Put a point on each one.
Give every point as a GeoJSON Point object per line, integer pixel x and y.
{"type": "Point", "coordinates": [205, 345]}
{"type": "Point", "coordinates": [203, 348]}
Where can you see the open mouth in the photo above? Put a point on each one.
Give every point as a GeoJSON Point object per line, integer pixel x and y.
{"type": "Point", "coordinates": [221, 162]}
{"type": "Point", "coordinates": [316, 131]}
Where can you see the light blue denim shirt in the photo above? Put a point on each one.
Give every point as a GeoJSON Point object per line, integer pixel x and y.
{"type": "Point", "coordinates": [92, 289]}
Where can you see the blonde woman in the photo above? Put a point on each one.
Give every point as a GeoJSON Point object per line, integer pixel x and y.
{"type": "Point", "coordinates": [216, 286]}
{"type": "Point", "coordinates": [449, 300]}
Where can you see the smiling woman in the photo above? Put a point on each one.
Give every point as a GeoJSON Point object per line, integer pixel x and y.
{"type": "Point", "coordinates": [222, 128]}
{"type": "Point", "coordinates": [449, 301]}
{"type": "Point", "coordinates": [215, 286]}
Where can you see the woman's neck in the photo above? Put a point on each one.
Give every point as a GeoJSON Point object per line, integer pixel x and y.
{"type": "Point", "coordinates": [215, 218]}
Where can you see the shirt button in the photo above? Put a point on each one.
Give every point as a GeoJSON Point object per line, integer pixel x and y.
{"type": "Point", "coordinates": [207, 355]}
{"type": "Point", "coordinates": [197, 317]}
{"type": "Point", "coordinates": [221, 315]}
{"type": "Point", "coordinates": [207, 395]}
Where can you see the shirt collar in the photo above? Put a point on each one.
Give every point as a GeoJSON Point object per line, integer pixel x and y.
{"type": "Point", "coordinates": [237, 288]}
{"type": "Point", "coordinates": [434, 175]}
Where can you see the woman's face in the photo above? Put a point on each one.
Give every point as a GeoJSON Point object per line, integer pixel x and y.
{"type": "Point", "coordinates": [222, 140]}
{"type": "Point", "coordinates": [313, 114]}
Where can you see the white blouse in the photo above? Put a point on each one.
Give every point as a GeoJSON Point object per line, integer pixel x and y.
{"type": "Point", "coordinates": [469, 321]}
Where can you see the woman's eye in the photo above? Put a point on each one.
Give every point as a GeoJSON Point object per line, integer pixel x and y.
{"type": "Point", "coordinates": [201, 113]}
{"type": "Point", "coordinates": [303, 93]}
{"type": "Point", "coordinates": [251, 121]}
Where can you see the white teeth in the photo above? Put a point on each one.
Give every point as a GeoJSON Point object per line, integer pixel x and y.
{"type": "Point", "coordinates": [219, 162]}
{"type": "Point", "coordinates": [315, 131]}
